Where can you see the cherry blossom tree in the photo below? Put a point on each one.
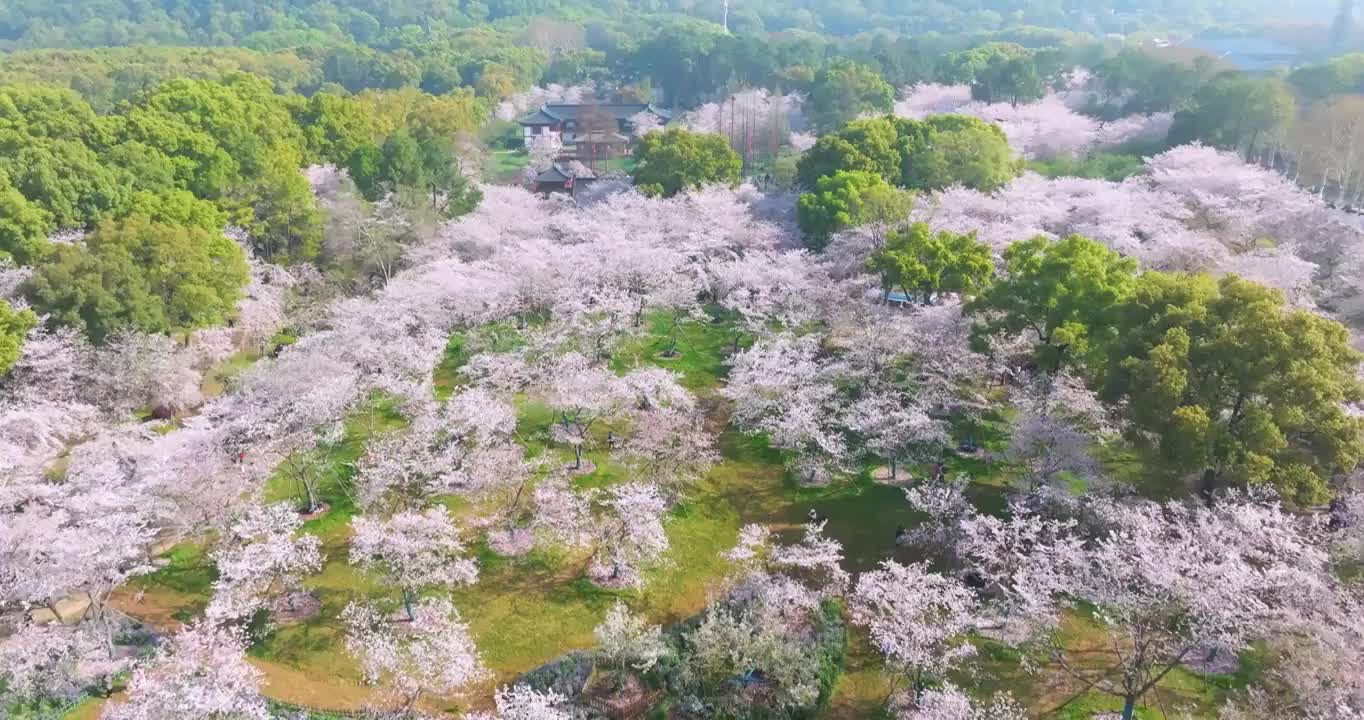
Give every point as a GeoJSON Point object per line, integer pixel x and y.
{"type": "Point", "coordinates": [543, 149]}
{"type": "Point", "coordinates": [625, 639]}
{"type": "Point", "coordinates": [562, 515]}
{"type": "Point", "coordinates": [644, 123]}
{"type": "Point", "coordinates": [945, 503]}
{"type": "Point", "coordinates": [948, 702]}
{"type": "Point", "coordinates": [91, 545]}
{"type": "Point", "coordinates": [12, 277]}
{"type": "Point", "coordinates": [630, 534]}
{"type": "Point", "coordinates": [925, 99]}
{"type": "Point", "coordinates": [1172, 580]}
{"type": "Point", "coordinates": [582, 395]}
{"type": "Point", "coordinates": [670, 443]}
{"type": "Point", "coordinates": [1347, 526]}
{"type": "Point", "coordinates": [507, 110]}
{"type": "Point", "coordinates": [145, 371]}
{"type": "Point", "coordinates": [522, 702]}
{"type": "Point", "coordinates": [1045, 129]}
{"type": "Point", "coordinates": [42, 404]}
{"type": "Point", "coordinates": [753, 120]}
{"type": "Point", "coordinates": [948, 377]}
{"type": "Point", "coordinates": [1316, 673]}
{"type": "Point", "coordinates": [769, 623]}
{"type": "Point", "coordinates": [413, 550]}
{"type": "Point", "coordinates": [670, 447]}
{"type": "Point", "coordinates": [815, 559]}
{"type": "Point", "coordinates": [277, 400]}
{"type": "Point", "coordinates": [465, 445]}
{"type": "Point", "coordinates": [896, 429]}
{"type": "Point", "coordinates": [621, 526]}
{"type": "Point", "coordinates": [814, 563]}
{"type": "Point", "coordinates": [199, 673]}
{"type": "Point", "coordinates": [41, 662]}
{"type": "Point", "coordinates": [732, 639]}
{"type": "Point", "coordinates": [431, 653]}
{"type": "Point", "coordinates": [1055, 431]}
{"type": "Point", "coordinates": [767, 290]}
{"type": "Point", "coordinates": [262, 555]}
{"type": "Point", "coordinates": [917, 619]}
{"type": "Point", "coordinates": [780, 388]}
{"type": "Point", "coordinates": [801, 141]}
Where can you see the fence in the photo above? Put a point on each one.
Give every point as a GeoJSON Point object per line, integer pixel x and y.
{"type": "Point", "coordinates": [633, 710]}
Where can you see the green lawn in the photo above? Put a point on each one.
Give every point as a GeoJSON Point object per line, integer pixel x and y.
{"type": "Point", "coordinates": [505, 166]}
{"type": "Point", "coordinates": [526, 611]}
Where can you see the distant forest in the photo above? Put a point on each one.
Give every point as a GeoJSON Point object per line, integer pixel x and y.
{"type": "Point", "coordinates": [392, 25]}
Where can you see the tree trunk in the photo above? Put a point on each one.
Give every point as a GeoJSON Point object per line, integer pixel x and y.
{"type": "Point", "coordinates": [309, 497]}
{"type": "Point", "coordinates": [1207, 485]}
{"type": "Point", "coordinates": [407, 605]}
{"type": "Point", "coordinates": [577, 456]}
{"type": "Point", "coordinates": [892, 470]}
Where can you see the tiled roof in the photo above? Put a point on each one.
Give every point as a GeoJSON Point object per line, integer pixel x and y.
{"type": "Point", "coordinates": [559, 112]}
{"type": "Point", "coordinates": [552, 174]}
{"type": "Point", "coordinates": [557, 174]}
{"type": "Point", "coordinates": [539, 117]}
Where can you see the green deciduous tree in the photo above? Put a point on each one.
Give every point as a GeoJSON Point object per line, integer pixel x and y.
{"type": "Point", "coordinates": [1235, 111]}
{"type": "Point", "coordinates": [178, 207]}
{"type": "Point", "coordinates": [427, 164]}
{"type": "Point", "coordinates": [1228, 381]}
{"type": "Point", "coordinates": [140, 274]}
{"type": "Point", "coordinates": [921, 262]}
{"type": "Point", "coordinates": [449, 190]}
{"type": "Point", "coordinates": [1134, 80]}
{"type": "Point", "coordinates": [844, 90]}
{"type": "Point", "coordinates": [675, 160]}
{"type": "Point", "coordinates": [1063, 293]}
{"type": "Point", "coordinates": [1015, 80]}
{"type": "Point", "coordinates": [836, 203]}
{"type": "Point", "coordinates": [47, 113]}
{"type": "Point", "coordinates": [334, 127]}
{"type": "Point", "coordinates": [23, 226]}
{"type": "Point", "coordinates": [996, 72]}
{"type": "Point", "coordinates": [65, 178]}
{"type": "Point", "coordinates": [145, 167]}
{"type": "Point", "coordinates": [14, 327]}
{"type": "Point", "coordinates": [945, 150]}
{"type": "Point", "coordinates": [831, 154]}
{"type": "Point", "coordinates": [677, 58]}
{"type": "Point", "coordinates": [221, 135]}
{"type": "Point", "coordinates": [1340, 75]}
{"type": "Point", "coordinates": [285, 223]}
{"type": "Point", "coordinates": [929, 154]}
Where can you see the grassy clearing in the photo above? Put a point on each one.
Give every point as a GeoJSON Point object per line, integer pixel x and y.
{"type": "Point", "coordinates": [216, 380]}
{"type": "Point", "coordinates": [505, 166]}
{"type": "Point", "coordinates": [314, 646]}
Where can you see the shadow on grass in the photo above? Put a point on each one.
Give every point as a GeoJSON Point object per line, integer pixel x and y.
{"type": "Point", "coordinates": [190, 571]}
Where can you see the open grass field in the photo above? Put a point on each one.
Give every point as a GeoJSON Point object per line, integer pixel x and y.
{"type": "Point", "coordinates": [505, 166]}
{"type": "Point", "coordinates": [526, 611]}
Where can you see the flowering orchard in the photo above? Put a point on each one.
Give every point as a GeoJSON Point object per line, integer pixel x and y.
{"type": "Point", "coordinates": [671, 402]}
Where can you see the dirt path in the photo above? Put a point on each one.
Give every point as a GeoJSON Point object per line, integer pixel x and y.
{"type": "Point", "coordinates": [296, 687]}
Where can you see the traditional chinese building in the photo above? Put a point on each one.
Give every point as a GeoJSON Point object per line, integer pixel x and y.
{"type": "Point", "coordinates": [562, 178]}
{"type": "Point", "coordinates": [593, 118]}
